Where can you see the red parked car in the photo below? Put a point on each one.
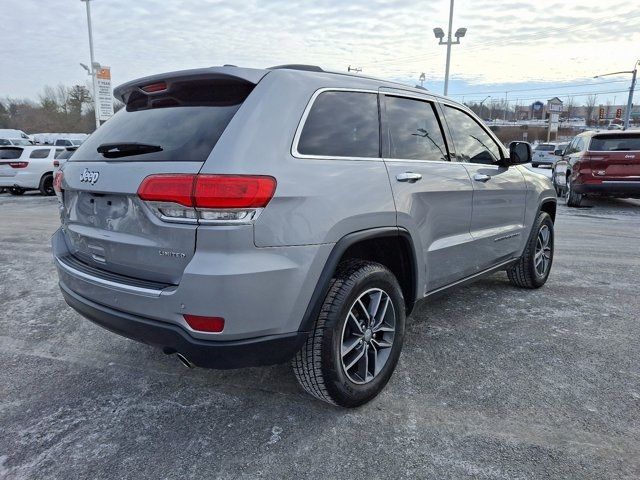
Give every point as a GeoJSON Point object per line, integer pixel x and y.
{"type": "Point", "coordinates": [599, 163]}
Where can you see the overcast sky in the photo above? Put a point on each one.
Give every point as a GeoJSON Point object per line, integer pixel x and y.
{"type": "Point", "coordinates": [510, 45]}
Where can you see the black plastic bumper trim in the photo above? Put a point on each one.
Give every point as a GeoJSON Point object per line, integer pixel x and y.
{"type": "Point", "coordinates": [253, 352]}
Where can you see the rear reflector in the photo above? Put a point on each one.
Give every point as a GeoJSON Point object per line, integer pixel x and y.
{"type": "Point", "coordinates": [207, 198]}
{"type": "Point", "coordinates": [205, 324]}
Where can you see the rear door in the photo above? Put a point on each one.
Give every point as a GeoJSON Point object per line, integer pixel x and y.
{"type": "Point", "coordinates": [499, 193]}
{"type": "Point", "coordinates": [615, 157]}
{"type": "Point", "coordinates": [433, 195]}
{"type": "Point", "coordinates": [168, 126]}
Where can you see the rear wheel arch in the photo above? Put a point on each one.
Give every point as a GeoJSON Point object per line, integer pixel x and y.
{"type": "Point", "coordinates": [390, 246]}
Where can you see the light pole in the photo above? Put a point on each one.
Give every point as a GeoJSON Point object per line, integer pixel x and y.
{"type": "Point", "coordinates": [422, 78]}
{"type": "Point", "coordinates": [439, 34]}
{"type": "Point", "coordinates": [634, 73]}
{"type": "Point", "coordinates": [482, 103]}
{"type": "Point", "coordinates": [94, 65]}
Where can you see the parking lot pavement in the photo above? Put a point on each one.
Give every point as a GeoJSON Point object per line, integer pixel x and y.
{"type": "Point", "coordinates": [494, 382]}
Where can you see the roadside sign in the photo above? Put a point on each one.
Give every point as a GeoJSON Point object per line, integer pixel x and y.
{"type": "Point", "coordinates": [619, 113]}
{"type": "Point", "coordinates": [601, 113]}
{"type": "Point", "coordinates": [104, 93]}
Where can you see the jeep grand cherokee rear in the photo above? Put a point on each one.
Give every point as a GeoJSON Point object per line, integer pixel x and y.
{"type": "Point", "coordinates": [243, 217]}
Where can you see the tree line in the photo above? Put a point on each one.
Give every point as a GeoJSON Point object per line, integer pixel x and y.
{"type": "Point", "coordinates": [57, 109]}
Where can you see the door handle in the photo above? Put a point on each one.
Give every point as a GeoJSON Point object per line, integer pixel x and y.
{"type": "Point", "coordinates": [408, 177]}
{"type": "Point", "coordinates": [481, 177]}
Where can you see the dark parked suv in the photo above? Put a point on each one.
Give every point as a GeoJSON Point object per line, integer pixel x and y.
{"type": "Point", "coordinates": [599, 163]}
{"type": "Point", "coordinates": [240, 217]}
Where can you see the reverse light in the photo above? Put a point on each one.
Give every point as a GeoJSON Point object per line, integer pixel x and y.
{"type": "Point", "coordinates": [205, 324]}
{"type": "Point", "coordinates": [208, 199]}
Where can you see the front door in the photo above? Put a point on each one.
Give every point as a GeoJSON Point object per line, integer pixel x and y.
{"type": "Point", "coordinates": [499, 193]}
{"type": "Point", "coordinates": [433, 196]}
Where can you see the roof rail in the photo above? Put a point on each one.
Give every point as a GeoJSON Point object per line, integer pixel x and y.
{"type": "Point", "coordinates": [296, 66]}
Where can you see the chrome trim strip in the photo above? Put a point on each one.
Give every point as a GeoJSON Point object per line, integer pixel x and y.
{"type": "Point", "coordinates": [148, 292]}
{"type": "Point", "coordinates": [471, 277]}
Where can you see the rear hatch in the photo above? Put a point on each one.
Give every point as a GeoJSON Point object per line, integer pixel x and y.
{"type": "Point", "coordinates": [169, 125]}
{"type": "Point", "coordinates": [543, 152]}
{"type": "Point", "coordinates": [615, 157]}
{"type": "Point", "coordinates": [9, 161]}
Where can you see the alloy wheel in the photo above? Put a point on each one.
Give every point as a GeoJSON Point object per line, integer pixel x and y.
{"type": "Point", "coordinates": [542, 257]}
{"type": "Point", "coordinates": [367, 336]}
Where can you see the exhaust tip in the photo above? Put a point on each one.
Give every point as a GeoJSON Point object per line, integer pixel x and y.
{"type": "Point", "coordinates": [184, 360]}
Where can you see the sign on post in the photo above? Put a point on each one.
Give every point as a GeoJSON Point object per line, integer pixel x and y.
{"type": "Point", "coordinates": [554, 108]}
{"type": "Point", "coordinates": [104, 93]}
{"type": "Point", "coordinates": [618, 113]}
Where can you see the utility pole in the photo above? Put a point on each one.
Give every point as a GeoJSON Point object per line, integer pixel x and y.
{"type": "Point", "coordinates": [634, 74]}
{"type": "Point", "coordinates": [482, 102]}
{"type": "Point", "coordinates": [506, 106]}
{"type": "Point", "coordinates": [439, 34]}
{"type": "Point", "coordinates": [92, 71]}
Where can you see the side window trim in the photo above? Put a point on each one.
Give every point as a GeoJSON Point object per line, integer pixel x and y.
{"type": "Point", "coordinates": [303, 120]}
{"type": "Point", "coordinates": [482, 127]}
{"type": "Point", "coordinates": [437, 112]}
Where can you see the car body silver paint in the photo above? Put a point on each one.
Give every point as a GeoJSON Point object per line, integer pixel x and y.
{"type": "Point", "coordinates": [261, 277]}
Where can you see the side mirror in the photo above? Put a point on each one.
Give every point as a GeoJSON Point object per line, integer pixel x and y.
{"type": "Point", "coordinates": [519, 153]}
{"type": "Point", "coordinates": [559, 152]}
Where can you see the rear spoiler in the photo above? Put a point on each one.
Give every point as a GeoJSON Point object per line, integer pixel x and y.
{"type": "Point", "coordinates": [230, 73]}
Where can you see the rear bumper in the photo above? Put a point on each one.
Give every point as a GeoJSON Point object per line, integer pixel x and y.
{"type": "Point", "coordinates": [21, 179]}
{"type": "Point", "coordinates": [268, 350]}
{"type": "Point", "coordinates": [612, 188]}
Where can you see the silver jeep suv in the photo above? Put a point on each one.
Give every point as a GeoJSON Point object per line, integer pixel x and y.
{"type": "Point", "coordinates": [240, 217]}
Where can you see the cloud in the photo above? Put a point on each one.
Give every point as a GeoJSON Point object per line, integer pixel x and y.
{"type": "Point", "coordinates": [506, 42]}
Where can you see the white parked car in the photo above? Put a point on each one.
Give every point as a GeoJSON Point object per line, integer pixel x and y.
{"type": "Point", "coordinates": [546, 153]}
{"type": "Point", "coordinates": [10, 136]}
{"type": "Point", "coordinates": [25, 168]}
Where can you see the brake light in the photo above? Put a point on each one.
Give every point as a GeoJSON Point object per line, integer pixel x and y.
{"type": "Point", "coordinates": [207, 198]}
{"type": "Point", "coordinates": [155, 87]}
{"type": "Point", "coordinates": [18, 164]}
{"type": "Point", "coordinates": [233, 191]}
{"type": "Point", "coordinates": [205, 324]}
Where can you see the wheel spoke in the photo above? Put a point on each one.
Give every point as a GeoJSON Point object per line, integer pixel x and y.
{"type": "Point", "coordinates": [381, 343]}
{"type": "Point", "coordinates": [355, 359]}
{"type": "Point", "coordinates": [364, 309]}
{"type": "Point", "coordinates": [374, 304]}
{"type": "Point", "coordinates": [380, 318]}
{"type": "Point", "coordinates": [348, 347]}
{"type": "Point", "coordinates": [355, 322]}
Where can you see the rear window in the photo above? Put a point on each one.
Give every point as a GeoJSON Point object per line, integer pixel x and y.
{"type": "Point", "coordinates": [184, 123]}
{"type": "Point", "coordinates": [342, 124]}
{"type": "Point", "coordinates": [10, 153]}
{"type": "Point", "coordinates": [545, 148]}
{"type": "Point", "coordinates": [615, 143]}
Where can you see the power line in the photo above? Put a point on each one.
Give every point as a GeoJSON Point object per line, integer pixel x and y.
{"type": "Point", "coordinates": [510, 90]}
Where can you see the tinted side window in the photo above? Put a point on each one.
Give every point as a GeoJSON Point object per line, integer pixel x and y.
{"type": "Point", "coordinates": [412, 131]}
{"type": "Point", "coordinates": [342, 124]}
{"type": "Point", "coordinates": [473, 143]}
{"type": "Point", "coordinates": [40, 153]}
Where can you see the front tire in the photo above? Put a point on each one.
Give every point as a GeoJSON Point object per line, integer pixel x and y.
{"type": "Point", "coordinates": [532, 270]}
{"type": "Point", "coordinates": [16, 191]}
{"type": "Point", "coordinates": [354, 347]}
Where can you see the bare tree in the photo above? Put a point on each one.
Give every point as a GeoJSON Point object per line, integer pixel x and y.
{"type": "Point", "coordinates": [570, 105]}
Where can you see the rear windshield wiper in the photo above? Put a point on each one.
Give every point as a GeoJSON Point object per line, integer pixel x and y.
{"type": "Point", "coordinates": [124, 149]}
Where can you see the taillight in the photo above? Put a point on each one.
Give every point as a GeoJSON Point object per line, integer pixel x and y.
{"type": "Point", "coordinates": [207, 198]}
{"type": "Point", "coordinates": [57, 184]}
{"type": "Point", "coordinates": [205, 324]}
{"type": "Point", "coordinates": [18, 164]}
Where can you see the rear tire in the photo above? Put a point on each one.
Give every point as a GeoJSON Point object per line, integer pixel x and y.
{"type": "Point", "coordinates": [534, 165]}
{"type": "Point", "coordinates": [571, 198]}
{"type": "Point", "coordinates": [46, 185]}
{"type": "Point", "coordinates": [354, 347]}
{"type": "Point", "coordinates": [16, 191]}
{"type": "Point", "coordinates": [532, 270]}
